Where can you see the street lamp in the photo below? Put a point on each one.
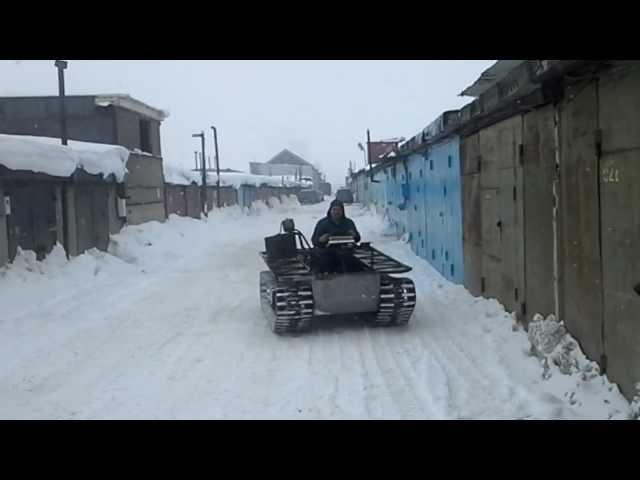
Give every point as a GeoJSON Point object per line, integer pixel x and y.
{"type": "Point", "coordinates": [364, 152]}
{"type": "Point", "coordinates": [61, 65]}
{"type": "Point", "coordinates": [203, 190]}
{"type": "Point", "coordinates": [215, 142]}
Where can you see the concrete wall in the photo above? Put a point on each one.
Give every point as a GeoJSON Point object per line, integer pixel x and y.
{"type": "Point", "coordinates": [619, 121]}
{"type": "Point", "coordinates": [128, 132]}
{"type": "Point", "coordinates": [600, 219]}
{"type": "Point", "coordinates": [41, 117]}
{"type": "Point", "coordinates": [145, 188]}
{"type": "Point", "coordinates": [146, 213]}
{"type": "Point", "coordinates": [4, 242]}
{"type": "Point", "coordinates": [86, 121]}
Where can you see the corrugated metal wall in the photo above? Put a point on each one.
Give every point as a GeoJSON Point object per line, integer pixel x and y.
{"type": "Point", "coordinates": [421, 196]}
{"type": "Point", "coordinates": [444, 208]}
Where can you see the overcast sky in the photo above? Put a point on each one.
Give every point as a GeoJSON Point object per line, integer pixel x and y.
{"type": "Point", "coordinates": [318, 109]}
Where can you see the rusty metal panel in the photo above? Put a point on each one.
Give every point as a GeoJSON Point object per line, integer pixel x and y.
{"type": "Point", "coordinates": [502, 212]}
{"type": "Point", "coordinates": [193, 201]}
{"type": "Point", "coordinates": [491, 281]}
{"type": "Point", "coordinates": [491, 222]}
{"type": "Point", "coordinates": [538, 158]}
{"type": "Point", "coordinates": [470, 154]}
{"type": "Point", "coordinates": [115, 222]}
{"type": "Point", "coordinates": [92, 216]}
{"type": "Point", "coordinates": [472, 233]}
{"type": "Point", "coordinates": [32, 224]}
{"type": "Point", "coordinates": [175, 198]}
{"type": "Point", "coordinates": [619, 108]}
{"type": "Point", "coordinates": [582, 289]}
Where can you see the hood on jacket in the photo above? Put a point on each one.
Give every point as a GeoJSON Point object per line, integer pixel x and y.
{"type": "Point", "coordinates": [336, 203]}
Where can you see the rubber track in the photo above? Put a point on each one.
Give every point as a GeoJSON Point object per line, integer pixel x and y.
{"type": "Point", "coordinates": [397, 301]}
{"type": "Point", "coordinates": [289, 307]}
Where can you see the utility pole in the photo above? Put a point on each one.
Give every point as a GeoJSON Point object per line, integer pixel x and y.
{"type": "Point", "coordinates": [369, 157]}
{"type": "Point", "coordinates": [215, 142]}
{"type": "Point", "coordinates": [203, 190]}
{"type": "Point", "coordinates": [61, 65]}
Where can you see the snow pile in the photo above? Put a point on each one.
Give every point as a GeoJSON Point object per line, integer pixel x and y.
{"type": "Point", "coordinates": [561, 356]}
{"type": "Point", "coordinates": [551, 343]}
{"type": "Point", "coordinates": [286, 204]}
{"type": "Point", "coordinates": [154, 245]}
{"type": "Point", "coordinates": [46, 155]}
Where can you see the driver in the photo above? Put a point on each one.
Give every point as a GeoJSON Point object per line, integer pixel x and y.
{"type": "Point", "coordinates": [334, 224]}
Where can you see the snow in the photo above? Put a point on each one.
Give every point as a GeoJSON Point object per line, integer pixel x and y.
{"type": "Point", "coordinates": [168, 325]}
{"type": "Point", "coordinates": [47, 155]}
{"type": "Point", "coordinates": [181, 176]}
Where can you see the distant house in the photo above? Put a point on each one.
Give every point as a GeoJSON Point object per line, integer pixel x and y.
{"type": "Point", "coordinates": [115, 119]}
{"type": "Point", "coordinates": [287, 164]}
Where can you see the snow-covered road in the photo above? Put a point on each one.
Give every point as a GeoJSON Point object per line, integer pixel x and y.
{"type": "Point", "coordinates": [169, 326]}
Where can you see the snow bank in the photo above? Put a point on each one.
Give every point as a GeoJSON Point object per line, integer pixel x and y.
{"type": "Point", "coordinates": [554, 378]}
{"type": "Point", "coordinates": [563, 360]}
{"type": "Point", "coordinates": [47, 155]}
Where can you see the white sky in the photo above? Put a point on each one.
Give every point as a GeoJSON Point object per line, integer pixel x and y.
{"type": "Point", "coordinates": [318, 109]}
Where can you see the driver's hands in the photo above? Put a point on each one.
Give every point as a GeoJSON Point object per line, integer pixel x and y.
{"type": "Point", "coordinates": [324, 238]}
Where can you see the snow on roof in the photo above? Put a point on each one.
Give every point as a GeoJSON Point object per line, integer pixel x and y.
{"type": "Point", "coordinates": [238, 179]}
{"type": "Point", "coordinates": [180, 176]}
{"type": "Point", "coordinates": [47, 155]}
{"type": "Point", "coordinates": [130, 103]}
{"type": "Point", "coordinates": [177, 175]}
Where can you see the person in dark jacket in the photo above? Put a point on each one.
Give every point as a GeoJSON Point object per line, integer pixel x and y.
{"type": "Point", "coordinates": [335, 223]}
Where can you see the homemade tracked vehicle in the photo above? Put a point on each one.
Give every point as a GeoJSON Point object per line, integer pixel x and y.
{"type": "Point", "coordinates": [298, 288]}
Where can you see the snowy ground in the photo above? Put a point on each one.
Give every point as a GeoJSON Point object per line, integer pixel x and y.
{"type": "Point", "coordinates": [169, 326]}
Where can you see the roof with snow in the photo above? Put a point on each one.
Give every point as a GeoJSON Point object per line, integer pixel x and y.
{"type": "Point", "coordinates": [121, 100]}
{"type": "Point", "coordinates": [287, 157]}
{"type": "Point", "coordinates": [490, 76]}
{"type": "Point", "coordinates": [46, 155]}
{"type": "Point", "coordinates": [129, 103]}
{"type": "Point", "coordinates": [177, 175]}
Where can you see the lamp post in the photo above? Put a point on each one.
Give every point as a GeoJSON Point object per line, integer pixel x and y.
{"type": "Point", "coordinates": [215, 143]}
{"type": "Point", "coordinates": [203, 191]}
{"type": "Point", "coordinates": [364, 152]}
{"type": "Point", "coordinates": [61, 65]}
